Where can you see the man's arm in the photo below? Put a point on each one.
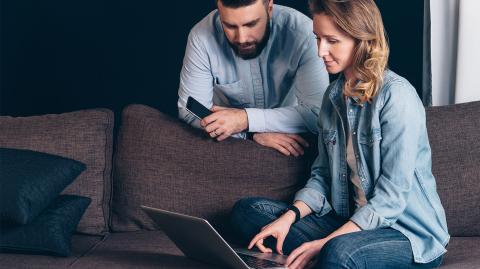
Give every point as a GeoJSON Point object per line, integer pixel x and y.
{"type": "Point", "coordinates": [195, 79]}
{"type": "Point", "coordinates": [311, 81]}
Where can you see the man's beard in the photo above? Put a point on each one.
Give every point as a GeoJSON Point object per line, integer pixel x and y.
{"type": "Point", "coordinates": [250, 50]}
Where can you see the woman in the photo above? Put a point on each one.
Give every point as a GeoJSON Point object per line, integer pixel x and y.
{"type": "Point", "coordinates": [371, 200]}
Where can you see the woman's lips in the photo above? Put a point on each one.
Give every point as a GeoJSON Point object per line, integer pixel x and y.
{"type": "Point", "coordinates": [329, 62]}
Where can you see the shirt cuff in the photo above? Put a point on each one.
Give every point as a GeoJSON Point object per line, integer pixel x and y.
{"type": "Point", "coordinates": [242, 135]}
{"type": "Point", "coordinates": [367, 219]}
{"type": "Point", "coordinates": [314, 199]}
{"type": "Point", "coordinates": [256, 120]}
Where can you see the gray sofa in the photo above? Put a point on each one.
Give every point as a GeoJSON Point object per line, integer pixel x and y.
{"type": "Point", "coordinates": [160, 162]}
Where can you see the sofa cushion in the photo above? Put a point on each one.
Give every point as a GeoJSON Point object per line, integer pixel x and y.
{"type": "Point", "coordinates": [81, 245]}
{"type": "Point", "coordinates": [463, 253]}
{"type": "Point", "coordinates": [50, 233]}
{"type": "Point", "coordinates": [30, 180]}
{"type": "Point", "coordinates": [143, 249]}
{"type": "Point", "coordinates": [153, 249]}
{"type": "Point", "coordinates": [453, 134]}
{"type": "Point", "coordinates": [85, 136]}
{"type": "Point", "coordinates": [164, 163]}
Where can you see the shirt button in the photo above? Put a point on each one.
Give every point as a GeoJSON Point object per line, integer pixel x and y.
{"type": "Point", "coordinates": [354, 132]}
{"type": "Point", "coordinates": [351, 110]}
{"type": "Point", "coordinates": [357, 156]}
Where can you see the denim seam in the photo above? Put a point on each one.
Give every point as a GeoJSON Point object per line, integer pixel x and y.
{"type": "Point", "coordinates": [364, 246]}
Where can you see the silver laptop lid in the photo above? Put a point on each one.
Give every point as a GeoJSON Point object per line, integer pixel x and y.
{"type": "Point", "coordinates": [196, 238]}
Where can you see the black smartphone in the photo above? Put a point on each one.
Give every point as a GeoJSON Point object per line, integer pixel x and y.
{"type": "Point", "coordinates": [197, 109]}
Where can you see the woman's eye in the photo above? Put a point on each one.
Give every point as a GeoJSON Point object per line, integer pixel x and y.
{"type": "Point", "coordinates": [332, 41]}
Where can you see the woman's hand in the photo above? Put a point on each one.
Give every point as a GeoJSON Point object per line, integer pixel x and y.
{"type": "Point", "coordinates": [278, 229]}
{"type": "Point", "coordinates": [304, 255]}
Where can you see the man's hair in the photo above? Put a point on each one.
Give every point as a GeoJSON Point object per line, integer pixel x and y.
{"type": "Point", "coordinates": [239, 3]}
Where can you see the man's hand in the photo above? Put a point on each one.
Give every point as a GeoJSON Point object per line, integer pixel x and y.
{"type": "Point", "coordinates": [224, 122]}
{"type": "Point", "coordinates": [288, 144]}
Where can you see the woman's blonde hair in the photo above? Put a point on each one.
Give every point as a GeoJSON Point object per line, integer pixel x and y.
{"type": "Point", "coordinates": [362, 20]}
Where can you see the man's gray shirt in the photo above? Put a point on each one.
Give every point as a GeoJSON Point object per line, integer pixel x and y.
{"type": "Point", "coordinates": [281, 89]}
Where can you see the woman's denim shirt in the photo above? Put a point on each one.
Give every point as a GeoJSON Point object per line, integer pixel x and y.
{"type": "Point", "coordinates": [393, 155]}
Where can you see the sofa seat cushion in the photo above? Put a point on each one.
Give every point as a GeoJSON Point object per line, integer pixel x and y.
{"type": "Point", "coordinates": [85, 136]}
{"type": "Point", "coordinates": [153, 249]}
{"type": "Point", "coordinates": [142, 249]}
{"type": "Point", "coordinates": [463, 253]}
{"type": "Point", "coordinates": [81, 245]}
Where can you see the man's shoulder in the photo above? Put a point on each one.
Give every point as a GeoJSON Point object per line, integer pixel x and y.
{"type": "Point", "coordinates": [291, 20]}
{"type": "Point", "coordinates": [206, 27]}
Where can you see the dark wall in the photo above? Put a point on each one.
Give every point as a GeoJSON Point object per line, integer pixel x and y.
{"type": "Point", "coordinates": [59, 56]}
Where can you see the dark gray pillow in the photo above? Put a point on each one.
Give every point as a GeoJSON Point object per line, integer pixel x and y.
{"type": "Point", "coordinates": [85, 136]}
{"type": "Point", "coordinates": [50, 233]}
{"type": "Point", "coordinates": [29, 181]}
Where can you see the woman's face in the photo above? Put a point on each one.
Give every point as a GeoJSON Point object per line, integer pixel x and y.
{"type": "Point", "coordinates": [335, 46]}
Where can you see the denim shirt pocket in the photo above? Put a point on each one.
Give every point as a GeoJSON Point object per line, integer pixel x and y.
{"type": "Point", "coordinates": [369, 147]}
{"type": "Point", "coordinates": [232, 93]}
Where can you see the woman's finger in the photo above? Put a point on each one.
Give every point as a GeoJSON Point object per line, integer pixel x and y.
{"type": "Point", "coordinates": [295, 253]}
{"type": "Point", "coordinates": [299, 261]}
{"type": "Point", "coordinates": [259, 236]}
{"type": "Point", "coordinates": [262, 248]}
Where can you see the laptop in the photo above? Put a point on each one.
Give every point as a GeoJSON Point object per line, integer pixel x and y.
{"type": "Point", "coordinates": [198, 240]}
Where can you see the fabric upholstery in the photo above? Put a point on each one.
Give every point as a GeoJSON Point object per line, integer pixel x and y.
{"type": "Point", "coordinates": [153, 249]}
{"type": "Point", "coordinates": [144, 249]}
{"type": "Point", "coordinates": [454, 138]}
{"type": "Point", "coordinates": [164, 163]}
{"type": "Point", "coordinates": [85, 136]}
{"type": "Point", "coordinates": [81, 245]}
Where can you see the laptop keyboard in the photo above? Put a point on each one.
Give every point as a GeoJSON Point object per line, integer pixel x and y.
{"type": "Point", "coordinates": [258, 263]}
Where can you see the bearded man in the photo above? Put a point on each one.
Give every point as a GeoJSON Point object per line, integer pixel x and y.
{"type": "Point", "coordinates": [255, 65]}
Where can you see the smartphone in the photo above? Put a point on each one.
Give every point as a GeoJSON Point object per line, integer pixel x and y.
{"type": "Point", "coordinates": [197, 109]}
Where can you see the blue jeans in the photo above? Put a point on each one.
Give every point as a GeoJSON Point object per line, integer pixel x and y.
{"type": "Point", "coordinates": [381, 248]}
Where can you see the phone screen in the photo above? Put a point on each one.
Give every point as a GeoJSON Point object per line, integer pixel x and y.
{"type": "Point", "coordinates": [197, 109]}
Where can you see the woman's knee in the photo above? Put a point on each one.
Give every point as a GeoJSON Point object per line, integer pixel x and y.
{"type": "Point", "coordinates": [244, 207]}
{"type": "Point", "coordinates": [256, 205]}
{"type": "Point", "coordinates": [336, 253]}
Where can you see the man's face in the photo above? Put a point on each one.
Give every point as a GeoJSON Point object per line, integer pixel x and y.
{"type": "Point", "coordinates": [246, 28]}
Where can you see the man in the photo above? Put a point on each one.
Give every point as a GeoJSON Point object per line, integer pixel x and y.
{"type": "Point", "coordinates": [255, 65]}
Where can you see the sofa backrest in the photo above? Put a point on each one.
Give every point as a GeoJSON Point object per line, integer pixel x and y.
{"type": "Point", "coordinates": [85, 136]}
{"type": "Point", "coordinates": [164, 163]}
{"type": "Point", "coordinates": [455, 140]}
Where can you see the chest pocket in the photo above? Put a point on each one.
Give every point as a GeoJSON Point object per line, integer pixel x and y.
{"type": "Point", "coordinates": [231, 94]}
{"type": "Point", "coordinates": [370, 138]}
{"type": "Point", "coordinates": [369, 145]}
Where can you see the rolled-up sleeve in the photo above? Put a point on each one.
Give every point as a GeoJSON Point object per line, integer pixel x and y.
{"type": "Point", "coordinates": [402, 120]}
